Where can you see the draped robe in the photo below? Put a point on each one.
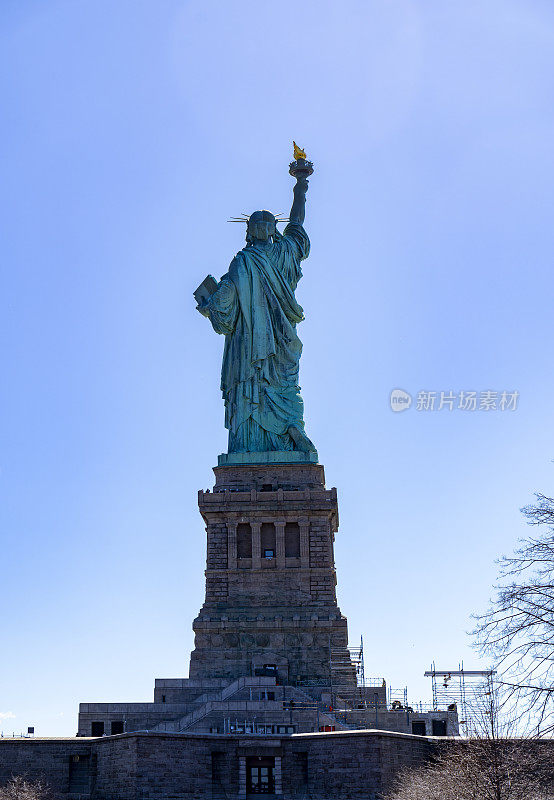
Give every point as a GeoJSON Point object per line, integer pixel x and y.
{"type": "Point", "coordinates": [254, 306]}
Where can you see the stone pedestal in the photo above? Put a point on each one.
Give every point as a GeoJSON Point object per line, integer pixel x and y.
{"type": "Point", "coordinates": [270, 579]}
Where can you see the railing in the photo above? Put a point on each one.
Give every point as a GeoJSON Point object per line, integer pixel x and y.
{"type": "Point", "coordinates": [372, 682]}
{"type": "Point", "coordinates": [225, 495]}
{"type": "Point", "coordinates": [328, 682]}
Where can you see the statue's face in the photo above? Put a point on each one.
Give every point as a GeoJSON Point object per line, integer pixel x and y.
{"type": "Point", "coordinates": [261, 226]}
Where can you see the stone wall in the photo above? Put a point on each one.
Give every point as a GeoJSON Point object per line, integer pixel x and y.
{"type": "Point", "coordinates": [352, 765]}
{"type": "Point", "coordinates": [355, 765]}
{"type": "Point", "coordinates": [117, 768]}
{"type": "Point", "coordinates": [133, 716]}
{"type": "Point", "coordinates": [41, 759]}
{"type": "Point", "coordinates": [155, 766]}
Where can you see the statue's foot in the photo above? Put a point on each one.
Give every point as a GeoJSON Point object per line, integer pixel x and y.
{"type": "Point", "coordinates": [301, 440]}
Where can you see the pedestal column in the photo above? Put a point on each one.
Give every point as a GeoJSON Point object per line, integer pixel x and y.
{"type": "Point", "coordinates": [280, 543]}
{"type": "Point", "coordinates": [256, 528]}
{"type": "Point", "coordinates": [232, 544]}
{"type": "Point", "coordinates": [304, 526]}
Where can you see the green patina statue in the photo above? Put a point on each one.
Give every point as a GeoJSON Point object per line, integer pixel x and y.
{"type": "Point", "coordinates": [254, 306]}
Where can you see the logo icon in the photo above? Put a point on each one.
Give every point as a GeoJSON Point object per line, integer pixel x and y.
{"type": "Point", "coordinates": [400, 400]}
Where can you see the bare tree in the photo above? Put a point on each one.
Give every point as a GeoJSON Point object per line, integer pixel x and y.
{"type": "Point", "coordinates": [518, 629]}
{"type": "Point", "coordinates": [492, 765]}
{"type": "Point", "coordinates": [21, 789]}
{"type": "Point", "coordinates": [482, 769]}
{"type": "Point", "coordinates": [518, 632]}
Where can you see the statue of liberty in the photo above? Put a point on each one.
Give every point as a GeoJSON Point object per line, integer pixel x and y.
{"type": "Point", "coordinates": [254, 306]}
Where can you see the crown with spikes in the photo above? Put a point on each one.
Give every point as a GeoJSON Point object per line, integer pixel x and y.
{"type": "Point", "coordinates": [246, 217]}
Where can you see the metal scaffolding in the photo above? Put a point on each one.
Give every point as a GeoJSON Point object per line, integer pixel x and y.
{"type": "Point", "coordinates": [347, 671]}
{"type": "Point", "coordinates": [397, 698]}
{"type": "Point", "coordinates": [471, 692]}
{"type": "Point", "coordinates": [347, 685]}
{"type": "Point", "coordinates": [357, 658]}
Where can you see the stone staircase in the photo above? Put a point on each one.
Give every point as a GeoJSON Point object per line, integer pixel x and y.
{"type": "Point", "coordinates": [327, 715]}
{"type": "Point", "coordinates": [219, 702]}
{"type": "Point", "coordinates": [208, 703]}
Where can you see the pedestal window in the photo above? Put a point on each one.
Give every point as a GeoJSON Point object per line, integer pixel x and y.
{"type": "Point", "coordinates": [244, 540]}
{"type": "Point", "coordinates": [292, 540]}
{"type": "Point", "coordinates": [267, 534]}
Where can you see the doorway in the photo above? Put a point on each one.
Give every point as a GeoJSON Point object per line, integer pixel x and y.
{"type": "Point", "coordinates": [260, 776]}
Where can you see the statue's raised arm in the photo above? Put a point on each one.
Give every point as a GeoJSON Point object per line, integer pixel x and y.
{"type": "Point", "coordinates": [301, 169]}
{"type": "Point", "coordinates": [298, 209]}
{"type": "Point", "coordinates": [254, 306]}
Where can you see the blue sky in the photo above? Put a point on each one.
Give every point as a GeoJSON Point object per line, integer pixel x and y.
{"type": "Point", "coordinates": [131, 132]}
